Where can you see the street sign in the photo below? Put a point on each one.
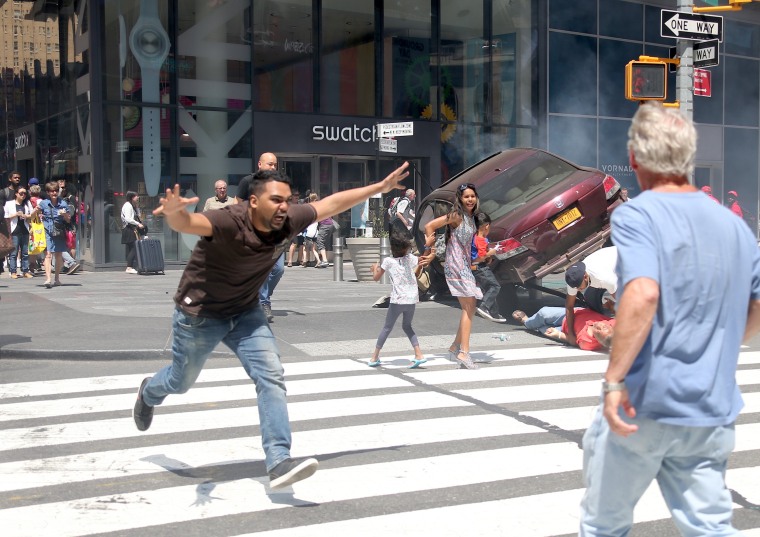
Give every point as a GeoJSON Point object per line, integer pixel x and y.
{"type": "Point", "coordinates": [388, 130]}
{"type": "Point", "coordinates": [706, 53]}
{"type": "Point", "coordinates": [702, 83]}
{"type": "Point", "coordinates": [388, 145]}
{"type": "Point", "coordinates": [683, 25]}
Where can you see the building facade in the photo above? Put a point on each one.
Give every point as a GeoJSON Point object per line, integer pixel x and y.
{"type": "Point", "coordinates": [142, 94]}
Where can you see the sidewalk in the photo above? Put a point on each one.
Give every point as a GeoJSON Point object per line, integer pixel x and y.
{"type": "Point", "coordinates": [114, 315]}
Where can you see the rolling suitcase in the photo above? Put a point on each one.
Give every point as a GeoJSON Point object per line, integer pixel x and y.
{"type": "Point", "coordinates": [150, 258]}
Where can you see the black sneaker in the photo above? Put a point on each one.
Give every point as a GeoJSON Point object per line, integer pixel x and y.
{"type": "Point", "coordinates": [142, 413]}
{"type": "Point", "coordinates": [483, 312]}
{"type": "Point", "coordinates": [289, 471]}
{"type": "Point", "coordinates": [495, 317]}
{"type": "Point", "coordinates": [268, 312]}
{"type": "Point", "coordinates": [73, 268]}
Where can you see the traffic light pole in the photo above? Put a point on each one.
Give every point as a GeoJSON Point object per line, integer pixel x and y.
{"type": "Point", "coordinates": [685, 70]}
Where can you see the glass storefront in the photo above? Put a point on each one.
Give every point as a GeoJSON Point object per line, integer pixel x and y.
{"type": "Point", "coordinates": [138, 95]}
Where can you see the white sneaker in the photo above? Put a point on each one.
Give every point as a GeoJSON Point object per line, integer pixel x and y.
{"type": "Point", "coordinates": [130, 270]}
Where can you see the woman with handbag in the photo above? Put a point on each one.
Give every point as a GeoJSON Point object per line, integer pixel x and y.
{"type": "Point", "coordinates": [133, 229]}
{"type": "Point", "coordinates": [55, 218]}
{"type": "Point", "coordinates": [18, 213]}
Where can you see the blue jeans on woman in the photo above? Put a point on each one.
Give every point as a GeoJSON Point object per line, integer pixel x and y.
{"type": "Point", "coordinates": [249, 337]}
{"type": "Point", "coordinates": [19, 241]}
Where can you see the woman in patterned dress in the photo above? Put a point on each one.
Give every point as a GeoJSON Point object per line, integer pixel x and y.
{"type": "Point", "coordinates": [460, 228]}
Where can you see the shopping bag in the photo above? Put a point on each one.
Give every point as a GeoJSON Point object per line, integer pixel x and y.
{"type": "Point", "coordinates": [37, 242]}
{"type": "Point", "coordinates": [71, 239]}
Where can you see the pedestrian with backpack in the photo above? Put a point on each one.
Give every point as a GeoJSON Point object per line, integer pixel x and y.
{"type": "Point", "coordinates": [402, 208]}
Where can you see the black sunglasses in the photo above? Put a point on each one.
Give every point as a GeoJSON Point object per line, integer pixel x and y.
{"type": "Point", "coordinates": [465, 186]}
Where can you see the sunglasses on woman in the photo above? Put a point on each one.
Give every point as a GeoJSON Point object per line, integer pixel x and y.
{"type": "Point", "coordinates": [465, 186]}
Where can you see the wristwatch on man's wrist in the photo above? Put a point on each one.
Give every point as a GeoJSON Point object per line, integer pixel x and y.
{"type": "Point", "coordinates": [149, 43]}
{"type": "Point", "coordinates": [608, 387]}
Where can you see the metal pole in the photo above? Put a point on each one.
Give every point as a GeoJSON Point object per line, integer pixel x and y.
{"type": "Point", "coordinates": [385, 251]}
{"type": "Point", "coordinates": [685, 72]}
{"type": "Point", "coordinates": [338, 259]}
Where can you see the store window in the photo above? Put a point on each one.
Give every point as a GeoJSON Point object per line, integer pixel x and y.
{"type": "Point", "coordinates": [577, 16]}
{"type": "Point", "coordinates": [213, 61]}
{"type": "Point", "coordinates": [572, 74]}
{"type": "Point", "coordinates": [410, 87]}
{"type": "Point", "coordinates": [347, 70]}
{"type": "Point", "coordinates": [574, 138]}
{"type": "Point", "coordinates": [741, 103]}
{"type": "Point", "coordinates": [136, 158]}
{"type": "Point", "coordinates": [283, 55]}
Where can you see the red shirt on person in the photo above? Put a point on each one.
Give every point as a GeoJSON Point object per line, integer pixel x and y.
{"type": "Point", "coordinates": [585, 318]}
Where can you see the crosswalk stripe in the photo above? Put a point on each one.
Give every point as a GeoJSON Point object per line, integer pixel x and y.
{"type": "Point", "coordinates": [204, 420]}
{"type": "Point", "coordinates": [198, 395]}
{"type": "Point", "coordinates": [165, 506]}
{"type": "Point", "coordinates": [431, 434]}
{"type": "Point", "coordinates": [117, 463]}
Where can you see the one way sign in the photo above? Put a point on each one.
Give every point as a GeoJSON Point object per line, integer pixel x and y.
{"type": "Point", "coordinates": [696, 26]}
{"type": "Point", "coordinates": [706, 53]}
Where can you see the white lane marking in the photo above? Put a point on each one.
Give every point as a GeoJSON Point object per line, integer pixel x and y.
{"type": "Point", "coordinates": [117, 464]}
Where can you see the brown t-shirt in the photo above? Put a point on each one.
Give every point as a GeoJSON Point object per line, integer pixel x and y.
{"type": "Point", "coordinates": [226, 270]}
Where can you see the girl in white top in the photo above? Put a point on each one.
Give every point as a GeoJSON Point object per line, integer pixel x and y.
{"type": "Point", "coordinates": [403, 269]}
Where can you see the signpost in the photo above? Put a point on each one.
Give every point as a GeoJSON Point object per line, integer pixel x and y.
{"type": "Point", "coordinates": [391, 130]}
{"type": "Point", "coordinates": [706, 53]}
{"type": "Point", "coordinates": [702, 83]}
{"type": "Point", "coordinates": [388, 145]}
{"type": "Point", "coordinates": [696, 26]}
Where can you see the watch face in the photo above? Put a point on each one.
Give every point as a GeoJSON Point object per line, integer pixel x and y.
{"type": "Point", "coordinates": [149, 42]}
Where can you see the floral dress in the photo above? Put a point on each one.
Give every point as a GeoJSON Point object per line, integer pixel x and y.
{"type": "Point", "coordinates": [459, 276]}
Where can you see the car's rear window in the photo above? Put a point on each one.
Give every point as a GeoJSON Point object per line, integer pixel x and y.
{"type": "Point", "coordinates": [522, 182]}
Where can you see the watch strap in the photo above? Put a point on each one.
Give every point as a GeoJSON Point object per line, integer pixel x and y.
{"type": "Point", "coordinates": [608, 387]}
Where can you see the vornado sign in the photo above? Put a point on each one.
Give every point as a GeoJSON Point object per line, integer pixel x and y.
{"type": "Point", "coordinates": [23, 140]}
{"type": "Point", "coordinates": [353, 133]}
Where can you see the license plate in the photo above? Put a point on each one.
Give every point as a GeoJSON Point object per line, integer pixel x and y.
{"type": "Point", "coordinates": [566, 218]}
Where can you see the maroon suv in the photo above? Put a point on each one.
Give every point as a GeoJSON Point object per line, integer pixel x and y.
{"type": "Point", "coordinates": [547, 212]}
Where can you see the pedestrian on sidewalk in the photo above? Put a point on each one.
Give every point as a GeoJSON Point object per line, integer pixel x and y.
{"type": "Point", "coordinates": [460, 228]}
{"type": "Point", "coordinates": [218, 300]}
{"type": "Point", "coordinates": [267, 161]}
{"type": "Point", "coordinates": [132, 229]}
{"type": "Point", "coordinates": [403, 268]}
{"type": "Point", "coordinates": [325, 230]}
{"type": "Point", "coordinates": [55, 219]}
{"type": "Point", "coordinates": [482, 257]}
{"type": "Point", "coordinates": [18, 214]}
{"type": "Point", "coordinates": [689, 295]}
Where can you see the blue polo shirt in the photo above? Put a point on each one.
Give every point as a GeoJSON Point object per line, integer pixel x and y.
{"type": "Point", "coordinates": [707, 264]}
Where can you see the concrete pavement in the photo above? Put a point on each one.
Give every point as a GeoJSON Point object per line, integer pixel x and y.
{"type": "Point", "coordinates": [114, 315]}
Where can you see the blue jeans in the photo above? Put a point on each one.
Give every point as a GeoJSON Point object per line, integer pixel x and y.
{"type": "Point", "coordinates": [544, 318]}
{"type": "Point", "coordinates": [267, 289]}
{"type": "Point", "coordinates": [689, 464]}
{"type": "Point", "coordinates": [19, 241]}
{"type": "Point", "coordinates": [249, 337]}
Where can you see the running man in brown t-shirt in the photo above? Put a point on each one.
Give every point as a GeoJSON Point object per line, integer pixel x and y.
{"type": "Point", "coordinates": [215, 304]}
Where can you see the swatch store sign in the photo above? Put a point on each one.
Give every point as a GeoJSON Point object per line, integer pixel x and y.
{"type": "Point", "coordinates": [23, 144]}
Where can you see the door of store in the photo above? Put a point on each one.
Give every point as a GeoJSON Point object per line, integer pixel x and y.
{"type": "Point", "coordinates": [327, 174]}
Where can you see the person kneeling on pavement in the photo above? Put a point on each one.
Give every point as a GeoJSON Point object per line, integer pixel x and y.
{"type": "Point", "coordinates": [481, 258]}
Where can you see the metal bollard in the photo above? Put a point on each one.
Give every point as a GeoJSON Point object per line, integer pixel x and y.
{"type": "Point", "coordinates": [338, 259]}
{"type": "Point", "coordinates": [385, 251]}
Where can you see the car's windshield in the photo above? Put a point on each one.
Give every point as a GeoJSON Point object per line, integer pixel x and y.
{"type": "Point", "coordinates": [522, 182]}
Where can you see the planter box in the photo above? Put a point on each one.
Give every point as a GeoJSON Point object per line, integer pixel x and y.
{"type": "Point", "coordinates": [365, 251]}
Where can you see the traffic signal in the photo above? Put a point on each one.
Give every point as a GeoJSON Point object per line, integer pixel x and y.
{"type": "Point", "coordinates": [646, 81]}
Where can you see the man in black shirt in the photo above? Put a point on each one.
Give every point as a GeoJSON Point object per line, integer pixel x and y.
{"type": "Point", "coordinates": [218, 300]}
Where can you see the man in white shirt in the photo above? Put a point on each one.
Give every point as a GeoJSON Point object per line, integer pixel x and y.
{"type": "Point", "coordinates": [594, 277]}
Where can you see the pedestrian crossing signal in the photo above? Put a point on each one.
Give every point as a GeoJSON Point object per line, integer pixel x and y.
{"type": "Point", "coordinates": [646, 81]}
